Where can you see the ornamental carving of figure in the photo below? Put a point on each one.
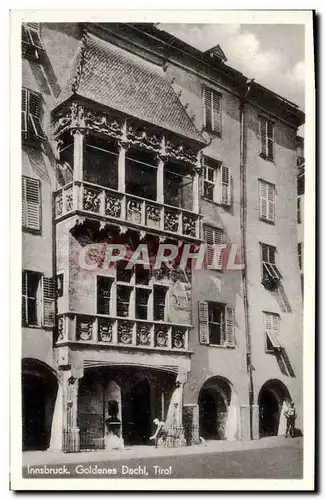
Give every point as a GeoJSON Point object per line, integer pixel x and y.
{"type": "Point", "coordinates": [178, 338]}
{"type": "Point", "coordinates": [105, 332]}
{"type": "Point", "coordinates": [91, 200]}
{"type": "Point", "coordinates": [125, 333]}
{"type": "Point", "coordinates": [162, 338]}
{"type": "Point", "coordinates": [113, 205]}
{"type": "Point", "coordinates": [143, 334]}
{"type": "Point", "coordinates": [85, 330]}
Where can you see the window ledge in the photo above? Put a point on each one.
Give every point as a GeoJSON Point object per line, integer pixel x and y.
{"type": "Point", "coordinates": [267, 158]}
{"type": "Point", "coordinates": [212, 132]}
{"type": "Point", "coordinates": [271, 222]}
{"type": "Point", "coordinates": [35, 232]}
{"type": "Point", "coordinates": [222, 346]}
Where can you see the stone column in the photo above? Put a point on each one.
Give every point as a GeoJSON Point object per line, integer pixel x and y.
{"type": "Point", "coordinates": [123, 146]}
{"type": "Point", "coordinates": [78, 153]}
{"type": "Point", "coordinates": [195, 192]}
{"type": "Point", "coordinates": [160, 179]}
{"type": "Point", "coordinates": [70, 386]}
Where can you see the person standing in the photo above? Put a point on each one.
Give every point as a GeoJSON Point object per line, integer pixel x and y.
{"type": "Point", "coordinates": [291, 416]}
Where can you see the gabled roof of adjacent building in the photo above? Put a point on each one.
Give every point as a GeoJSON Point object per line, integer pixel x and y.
{"type": "Point", "coordinates": [116, 78]}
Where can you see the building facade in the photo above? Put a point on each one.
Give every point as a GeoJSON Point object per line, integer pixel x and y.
{"type": "Point", "coordinates": [300, 205]}
{"type": "Point", "coordinates": [133, 138]}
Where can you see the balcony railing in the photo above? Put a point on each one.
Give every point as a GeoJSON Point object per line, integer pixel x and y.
{"type": "Point", "coordinates": [126, 208]}
{"type": "Point", "coordinates": [124, 332]}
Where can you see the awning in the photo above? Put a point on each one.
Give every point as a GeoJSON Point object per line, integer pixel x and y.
{"type": "Point", "coordinates": [118, 79]}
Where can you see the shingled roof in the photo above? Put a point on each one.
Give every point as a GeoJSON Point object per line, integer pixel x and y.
{"type": "Point", "coordinates": [118, 79]}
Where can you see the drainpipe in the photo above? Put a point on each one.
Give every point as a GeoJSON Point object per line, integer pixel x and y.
{"type": "Point", "coordinates": [243, 225]}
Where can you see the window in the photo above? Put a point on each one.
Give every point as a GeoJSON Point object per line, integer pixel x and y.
{"type": "Point", "coordinates": [159, 306]}
{"type": "Point", "coordinates": [271, 274]}
{"type": "Point", "coordinates": [123, 294]}
{"type": "Point", "coordinates": [212, 110]}
{"type": "Point", "coordinates": [31, 203]}
{"type": "Point", "coordinates": [299, 211]}
{"type": "Point", "coordinates": [141, 303]}
{"type": "Point", "coordinates": [266, 130]}
{"type": "Point", "coordinates": [300, 256]}
{"type": "Point", "coordinates": [216, 182]}
{"type": "Point", "coordinates": [31, 127]}
{"type": "Point", "coordinates": [272, 331]}
{"type": "Point", "coordinates": [59, 285]}
{"type": "Point", "coordinates": [104, 286]}
{"type": "Point", "coordinates": [31, 41]}
{"type": "Point", "coordinates": [217, 324]}
{"type": "Point", "coordinates": [37, 299]}
{"type": "Point", "coordinates": [267, 201]}
{"type": "Point", "coordinates": [212, 236]}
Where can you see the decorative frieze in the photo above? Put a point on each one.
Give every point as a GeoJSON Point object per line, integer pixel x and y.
{"type": "Point", "coordinates": [139, 137]}
{"type": "Point", "coordinates": [143, 334]}
{"type": "Point", "coordinates": [84, 328]}
{"type": "Point", "coordinates": [105, 330]}
{"type": "Point", "coordinates": [125, 332]}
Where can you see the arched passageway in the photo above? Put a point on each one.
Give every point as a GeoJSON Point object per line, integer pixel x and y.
{"type": "Point", "coordinates": [39, 389]}
{"type": "Point", "coordinates": [218, 410]}
{"type": "Point", "coordinates": [271, 398]}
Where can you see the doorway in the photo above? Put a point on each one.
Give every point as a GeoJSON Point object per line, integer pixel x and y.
{"type": "Point", "coordinates": [213, 414]}
{"type": "Point", "coordinates": [271, 399]}
{"type": "Point", "coordinates": [137, 414]}
{"type": "Point", "coordinates": [39, 389]}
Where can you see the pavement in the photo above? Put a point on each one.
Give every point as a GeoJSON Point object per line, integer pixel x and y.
{"type": "Point", "coordinates": [138, 452]}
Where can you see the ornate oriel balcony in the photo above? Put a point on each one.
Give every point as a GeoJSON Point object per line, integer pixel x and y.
{"type": "Point", "coordinates": [102, 330]}
{"type": "Point", "coordinates": [116, 169]}
{"type": "Point", "coordinates": [87, 198]}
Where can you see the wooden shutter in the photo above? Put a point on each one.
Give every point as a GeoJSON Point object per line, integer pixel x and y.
{"type": "Point", "coordinates": [271, 202]}
{"type": "Point", "coordinates": [207, 95]}
{"type": "Point", "coordinates": [263, 136]}
{"type": "Point", "coordinates": [230, 326]}
{"type": "Point", "coordinates": [203, 322]}
{"type": "Point", "coordinates": [272, 329]}
{"type": "Point", "coordinates": [225, 185]}
{"type": "Point", "coordinates": [216, 106]}
{"type": "Point", "coordinates": [24, 110]}
{"type": "Point", "coordinates": [48, 290]}
{"type": "Point", "coordinates": [31, 203]}
{"type": "Point", "coordinates": [263, 200]}
{"type": "Point", "coordinates": [24, 314]}
{"type": "Point", "coordinates": [269, 134]}
{"type": "Point", "coordinates": [34, 113]}
{"type": "Point", "coordinates": [212, 236]}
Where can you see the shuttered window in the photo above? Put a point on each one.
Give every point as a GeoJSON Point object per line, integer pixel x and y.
{"type": "Point", "coordinates": [266, 131]}
{"type": "Point", "coordinates": [267, 201]}
{"type": "Point", "coordinates": [31, 203]}
{"type": "Point", "coordinates": [212, 110]}
{"type": "Point", "coordinates": [31, 127]}
{"type": "Point", "coordinates": [216, 182]}
{"type": "Point", "coordinates": [270, 269]}
{"type": "Point", "coordinates": [48, 289]}
{"type": "Point", "coordinates": [212, 236]}
{"type": "Point", "coordinates": [37, 299]}
{"type": "Point", "coordinates": [31, 41]}
{"type": "Point", "coordinates": [272, 332]}
{"type": "Point", "coordinates": [216, 324]}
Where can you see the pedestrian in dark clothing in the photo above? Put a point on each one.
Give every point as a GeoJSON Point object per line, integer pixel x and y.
{"type": "Point", "coordinates": [291, 416]}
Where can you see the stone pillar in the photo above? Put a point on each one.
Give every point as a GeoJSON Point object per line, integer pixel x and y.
{"type": "Point", "coordinates": [245, 422]}
{"type": "Point", "coordinates": [256, 421]}
{"type": "Point", "coordinates": [70, 386]}
{"type": "Point", "coordinates": [160, 179]}
{"type": "Point", "coordinates": [56, 442]}
{"type": "Point", "coordinates": [195, 190]}
{"type": "Point", "coordinates": [121, 166]}
{"type": "Point", "coordinates": [78, 153]}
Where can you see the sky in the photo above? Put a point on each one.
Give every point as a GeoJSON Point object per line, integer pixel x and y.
{"type": "Point", "coordinates": [273, 54]}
